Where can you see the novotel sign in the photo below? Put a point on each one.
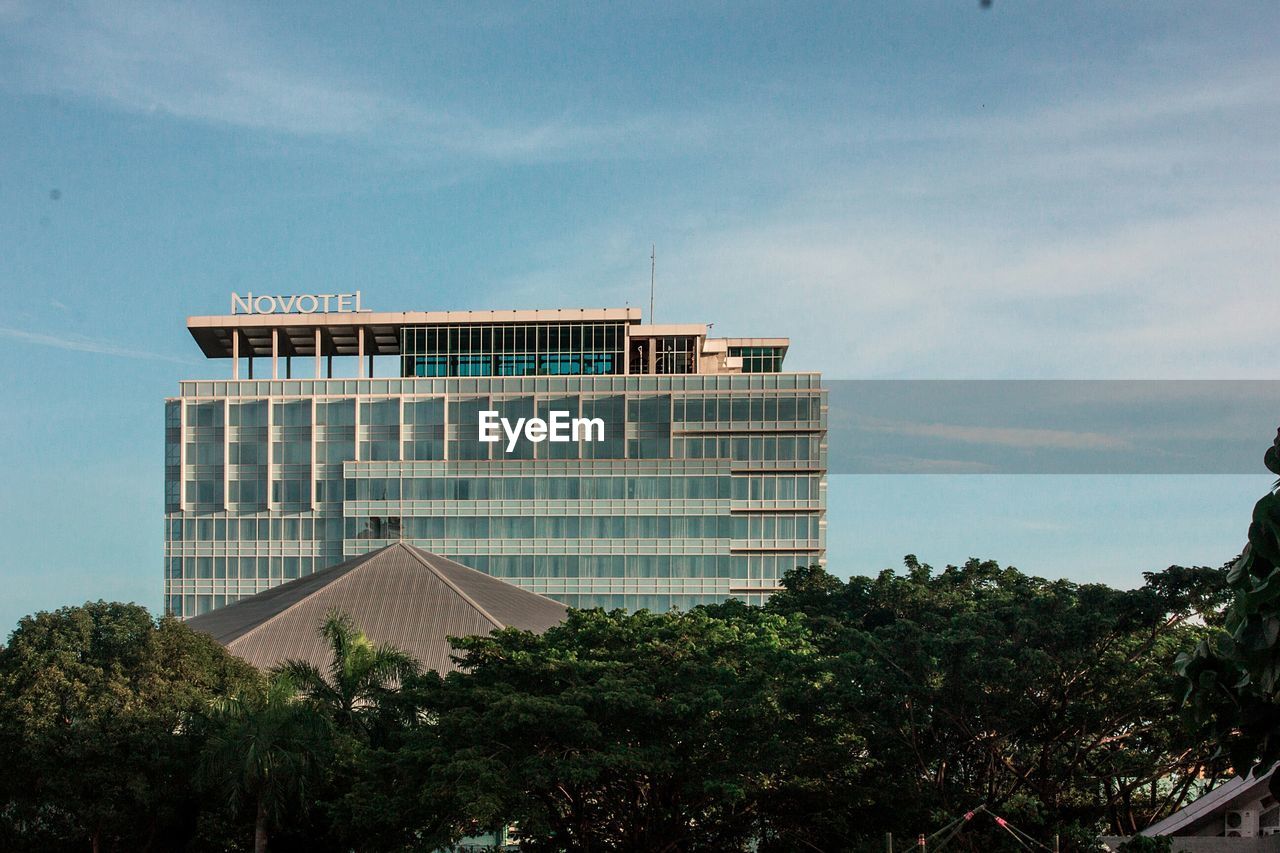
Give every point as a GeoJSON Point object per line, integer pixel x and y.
{"type": "Point", "coordinates": [300, 303]}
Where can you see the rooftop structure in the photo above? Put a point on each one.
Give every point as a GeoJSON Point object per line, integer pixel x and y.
{"type": "Point", "coordinates": [1239, 816]}
{"type": "Point", "coordinates": [401, 595]}
{"type": "Point", "coordinates": [556, 342]}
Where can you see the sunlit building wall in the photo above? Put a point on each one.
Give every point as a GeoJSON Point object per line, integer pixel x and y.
{"type": "Point", "coordinates": [708, 483]}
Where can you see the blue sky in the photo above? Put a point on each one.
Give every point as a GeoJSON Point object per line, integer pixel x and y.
{"type": "Point", "coordinates": [908, 190]}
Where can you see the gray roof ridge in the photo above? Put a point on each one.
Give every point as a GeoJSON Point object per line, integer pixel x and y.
{"type": "Point", "coordinates": [367, 558]}
{"type": "Point", "coordinates": [453, 586]}
{"type": "Point", "coordinates": [1208, 803]}
{"type": "Point", "coordinates": [317, 579]}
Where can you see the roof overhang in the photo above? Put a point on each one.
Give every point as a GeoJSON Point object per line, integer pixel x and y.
{"type": "Point", "coordinates": [339, 333]}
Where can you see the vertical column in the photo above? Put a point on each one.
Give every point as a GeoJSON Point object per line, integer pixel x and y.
{"type": "Point", "coordinates": [226, 454]}
{"type": "Point", "coordinates": [317, 353]}
{"type": "Point", "coordinates": [356, 451]}
{"type": "Point", "coordinates": [403, 402]}
{"type": "Point", "coordinates": [235, 353]}
{"type": "Point", "coordinates": [275, 353]}
{"type": "Point", "coordinates": [271, 453]}
{"type": "Point", "coordinates": [182, 454]}
{"type": "Point", "coordinates": [360, 351]}
{"type": "Point", "coordinates": [653, 356]}
{"type": "Point", "coordinates": [315, 503]}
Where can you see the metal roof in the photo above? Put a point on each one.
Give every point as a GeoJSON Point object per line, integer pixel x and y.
{"type": "Point", "coordinates": [401, 595]}
{"type": "Point", "coordinates": [1237, 791]}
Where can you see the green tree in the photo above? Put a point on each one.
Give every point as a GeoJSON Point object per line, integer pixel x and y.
{"type": "Point", "coordinates": [96, 710]}
{"type": "Point", "coordinates": [359, 678]}
{"type": "Point", "coordinates": [263, 748]}
{"type": "Point", "coordinates": [1233, 677]}
{"type": "Point", "coordinates": [358, 693]}
{"type": "Point", "coordinates": [634, 732]}
{"type": "Point", "coordinates": [1048, 701]}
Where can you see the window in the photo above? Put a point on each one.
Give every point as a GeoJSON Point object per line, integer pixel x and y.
{"type": "Point", "coordinates": [533, 349]}
{"type": "Point", "coordinates": [758, 359]}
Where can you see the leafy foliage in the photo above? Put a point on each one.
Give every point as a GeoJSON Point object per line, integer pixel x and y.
{"type": "Point", "coordinates": [640, 732]}
{"type": "Point", "coordinates": [1050, 702]}
{"type": "Point", "coordinates": [360, 676]}
{"type": "Point", "coordinates": [1233, 678]}
{"type": "Point", "coordinates": [1147, 844]}
{"type": "Point", "coordinates": [97, 705]}
{"type": "Point", "coordinates": [842, 710]}
{"type": "Point", "coordinates": [264, 747]}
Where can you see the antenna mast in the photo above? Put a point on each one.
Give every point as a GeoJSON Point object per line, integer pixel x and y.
{"type": "Point", "coordinates": [653, 265]}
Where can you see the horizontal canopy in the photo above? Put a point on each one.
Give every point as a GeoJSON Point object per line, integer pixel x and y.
{"type": "Point", "coordinates": [339, 333]}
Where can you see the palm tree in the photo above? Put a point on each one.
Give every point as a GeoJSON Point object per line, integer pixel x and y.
{"type": "Point", "coordinates": [264, 746]}
{"type": "Point", "coordinates": [360, 674]}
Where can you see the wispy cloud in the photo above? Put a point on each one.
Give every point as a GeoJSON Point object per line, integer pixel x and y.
{"type": "Point", "coordinates": [898, 464]}
{"type": "Point", "coordinates": [1163, 294]}
{"type": "Point", "coordinates": [189, 62]}
{"type": "Point", "coordinates": [1022, 438]}
{"type": "Point", "coordinates": [78, 343]}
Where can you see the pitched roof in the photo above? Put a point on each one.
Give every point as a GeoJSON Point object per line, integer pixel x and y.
{"type": "Point", "coordinates": [1237, 791]}
{"type": "Point", "coordinates": [401, 595]}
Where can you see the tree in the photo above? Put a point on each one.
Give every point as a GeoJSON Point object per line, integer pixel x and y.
{"type": "Point", "coordinates": [360, 675]}
{"type": "Point", "coordinates": [96, 710]}
{"type": "Point", "coordinates": [635, 732]}
{"type": "Point", "coordinates": [1233, 677]}
{"type": "Point", "coordinates": [264, 747]}
{"type": "Point", "coordinates": [357, 692]}
{"type": "Point", "coordinates": [1048, 701]}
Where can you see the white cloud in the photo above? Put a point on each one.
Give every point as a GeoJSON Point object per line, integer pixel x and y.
{"type": "Point", "coordinates": [186, 61]}
{"type": "Point", "coordinates": [1129, 234]}
{"type": "Point", "coordinates": [1151, 289]}
{"type": "Point", "coordinates": [1023, 438]}
{"type": "Point", "coordinates": [1177, 296]}
{"type": "Point", "coordinates": [78, 343]}
{"type": "Point", "coordinates": [899, 464]}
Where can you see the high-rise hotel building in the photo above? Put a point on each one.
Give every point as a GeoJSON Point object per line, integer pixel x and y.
{"type": "Point", "coordinates": [699, 474]}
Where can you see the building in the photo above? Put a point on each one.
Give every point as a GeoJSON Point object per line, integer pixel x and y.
{"type": "Point", "coordinates": [698, 474]}
{"type": "Point", "coordinates": [398, 595]}
{"type": "Point", "coordinates": [1239, 816]}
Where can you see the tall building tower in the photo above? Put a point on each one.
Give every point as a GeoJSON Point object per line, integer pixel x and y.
{"type": "Point", "coordinates": [577, 453]}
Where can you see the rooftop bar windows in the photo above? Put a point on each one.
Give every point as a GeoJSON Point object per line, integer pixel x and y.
{"type": "Point", "coordinates": [532, 349]}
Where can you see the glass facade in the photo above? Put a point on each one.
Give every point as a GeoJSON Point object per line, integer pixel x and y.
{"type": "Point", "coordinates": [705, 480]}
{"type": "Point", "coordinates": [759, 359]}
{"type": "Point", "coordinates": [513, 349]}
{"type": "Point", "coordinates": [705, 486]}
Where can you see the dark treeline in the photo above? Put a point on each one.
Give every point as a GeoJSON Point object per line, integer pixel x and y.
{"type": "Point", "coordinates": [838, 712]}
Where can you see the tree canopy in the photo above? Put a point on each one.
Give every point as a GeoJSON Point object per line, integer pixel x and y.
{"type": "Point", "coordinates": [1233, 676]}
{"type": "Point", "coordinates": [639, 732]}
{"type": "Point", "coordinates": [97, 705]}
{"type": "Point", "coordinates": [841, 710]}
{"type": "Point", "coordinates": [1051, 701]}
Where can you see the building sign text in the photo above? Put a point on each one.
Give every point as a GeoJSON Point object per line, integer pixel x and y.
{"type": "Point", "coordinates": [303, 303]}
